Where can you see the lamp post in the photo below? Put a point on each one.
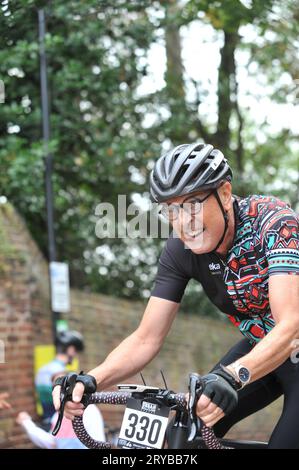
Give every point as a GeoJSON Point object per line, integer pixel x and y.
{"type": "Point", "coordinates": [47, 154]}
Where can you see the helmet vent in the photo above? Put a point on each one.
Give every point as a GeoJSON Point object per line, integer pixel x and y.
{"type": "Point", "coordinates": [201, 170]}
{"type": "Point", "coordinates": [180, 174]}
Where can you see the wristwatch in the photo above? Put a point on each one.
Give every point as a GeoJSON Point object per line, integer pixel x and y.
{"type": "Point", "coordinates": [240, 372]}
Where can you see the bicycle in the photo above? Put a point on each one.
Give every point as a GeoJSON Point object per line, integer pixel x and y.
{"type": "Point", "coordinates": [146, 419]}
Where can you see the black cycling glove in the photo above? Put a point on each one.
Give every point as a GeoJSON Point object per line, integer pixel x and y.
{"type": "Point", "coordinates": [70, 380]}
{"type": "Point", "coordinates": [221, 388]}
{"type": "Point", "coordinates": [67, 384]}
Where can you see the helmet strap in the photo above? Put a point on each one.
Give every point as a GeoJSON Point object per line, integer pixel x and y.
{"type": "Point", "coordinates": [225, 216]}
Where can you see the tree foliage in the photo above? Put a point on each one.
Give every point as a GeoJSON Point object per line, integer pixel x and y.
{"type": "Point", "coordinates": [102, 144]}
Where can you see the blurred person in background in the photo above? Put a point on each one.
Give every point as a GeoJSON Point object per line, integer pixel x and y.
{"type": "Point", "coordinates": [68, 345]}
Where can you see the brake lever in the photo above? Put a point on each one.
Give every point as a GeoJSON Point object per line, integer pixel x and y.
{"type": "Point", "coordinates": [195, 390]}
{"type": "Point", "coordinates": [66, 391]}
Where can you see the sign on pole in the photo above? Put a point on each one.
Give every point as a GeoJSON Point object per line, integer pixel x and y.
{"type": "Point", "coordinates": [60, 287]}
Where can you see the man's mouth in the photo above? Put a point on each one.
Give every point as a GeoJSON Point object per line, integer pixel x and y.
{"type": "Point", "coordinates": [193, 234]}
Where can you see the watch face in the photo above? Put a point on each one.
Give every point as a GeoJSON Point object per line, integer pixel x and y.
{"type": "Point", "coordinates": [244, 374]}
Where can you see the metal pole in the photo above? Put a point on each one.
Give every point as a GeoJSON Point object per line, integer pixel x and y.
{"type": "Point", "coordinates": [47, 153]}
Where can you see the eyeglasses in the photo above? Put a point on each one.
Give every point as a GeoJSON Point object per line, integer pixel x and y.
{"type": "Point", "coordinates": [191, 207]}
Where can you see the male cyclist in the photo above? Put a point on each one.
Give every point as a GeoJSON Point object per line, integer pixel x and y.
{"type": "Point", "coordinates": [245, 253]}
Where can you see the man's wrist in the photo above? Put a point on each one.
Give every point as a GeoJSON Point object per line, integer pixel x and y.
{"type": "Point", "coordinates": [240, 373]}
{"type": "Point", "coordinates": [231, 371]}
{"type": "Point", "coordinates": [229, 377]}
{"type": "Point", "coordinates": [92, 374]}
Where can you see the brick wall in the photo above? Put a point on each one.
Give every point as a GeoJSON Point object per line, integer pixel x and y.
{"type": "Point", "coordinates": [24, 320]}
{"type": "Point", "coordinates": [194, 343]}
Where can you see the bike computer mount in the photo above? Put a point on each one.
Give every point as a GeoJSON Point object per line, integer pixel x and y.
{"type": "Point", "coordinates": [138, 389]}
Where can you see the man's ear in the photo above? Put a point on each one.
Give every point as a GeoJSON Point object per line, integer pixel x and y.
{"type": "Point", "coordinates": [225, 193]}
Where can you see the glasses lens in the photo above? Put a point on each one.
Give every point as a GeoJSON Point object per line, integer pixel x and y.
{"type": "Point", "coordinates": [168, 211]}
{"type": "Point", "coordinates": [192, 207]}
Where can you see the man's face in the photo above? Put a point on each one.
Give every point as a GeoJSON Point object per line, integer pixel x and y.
{"type": "Point", "coordinates": [199, 225]}
{"type": "Point", "coordinates": [71, 354]}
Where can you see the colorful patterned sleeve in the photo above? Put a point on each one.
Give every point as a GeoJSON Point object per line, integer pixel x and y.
{"type": "Point", "coordinates": [279, 233]}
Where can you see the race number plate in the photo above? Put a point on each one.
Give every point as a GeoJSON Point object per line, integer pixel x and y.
{"type": "Point", "coordinates": [144, 425]}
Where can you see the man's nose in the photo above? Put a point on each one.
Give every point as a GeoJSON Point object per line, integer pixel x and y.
{"type": "Point", "coordinates": [184, 217]}
{"type": "Point", "coordinates": [186, 221]}
{"type": "Point", "coordinates": [192, 220]}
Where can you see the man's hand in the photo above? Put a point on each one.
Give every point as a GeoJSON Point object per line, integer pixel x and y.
{"type": "Point", "coordinates": [219, 397]}
{"type": "Point", "coordinates": [84, 383]}
{"type": "Point", "coordinates": [72, 408]}
{"type": "Point", "coordinates": [208, 411]}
